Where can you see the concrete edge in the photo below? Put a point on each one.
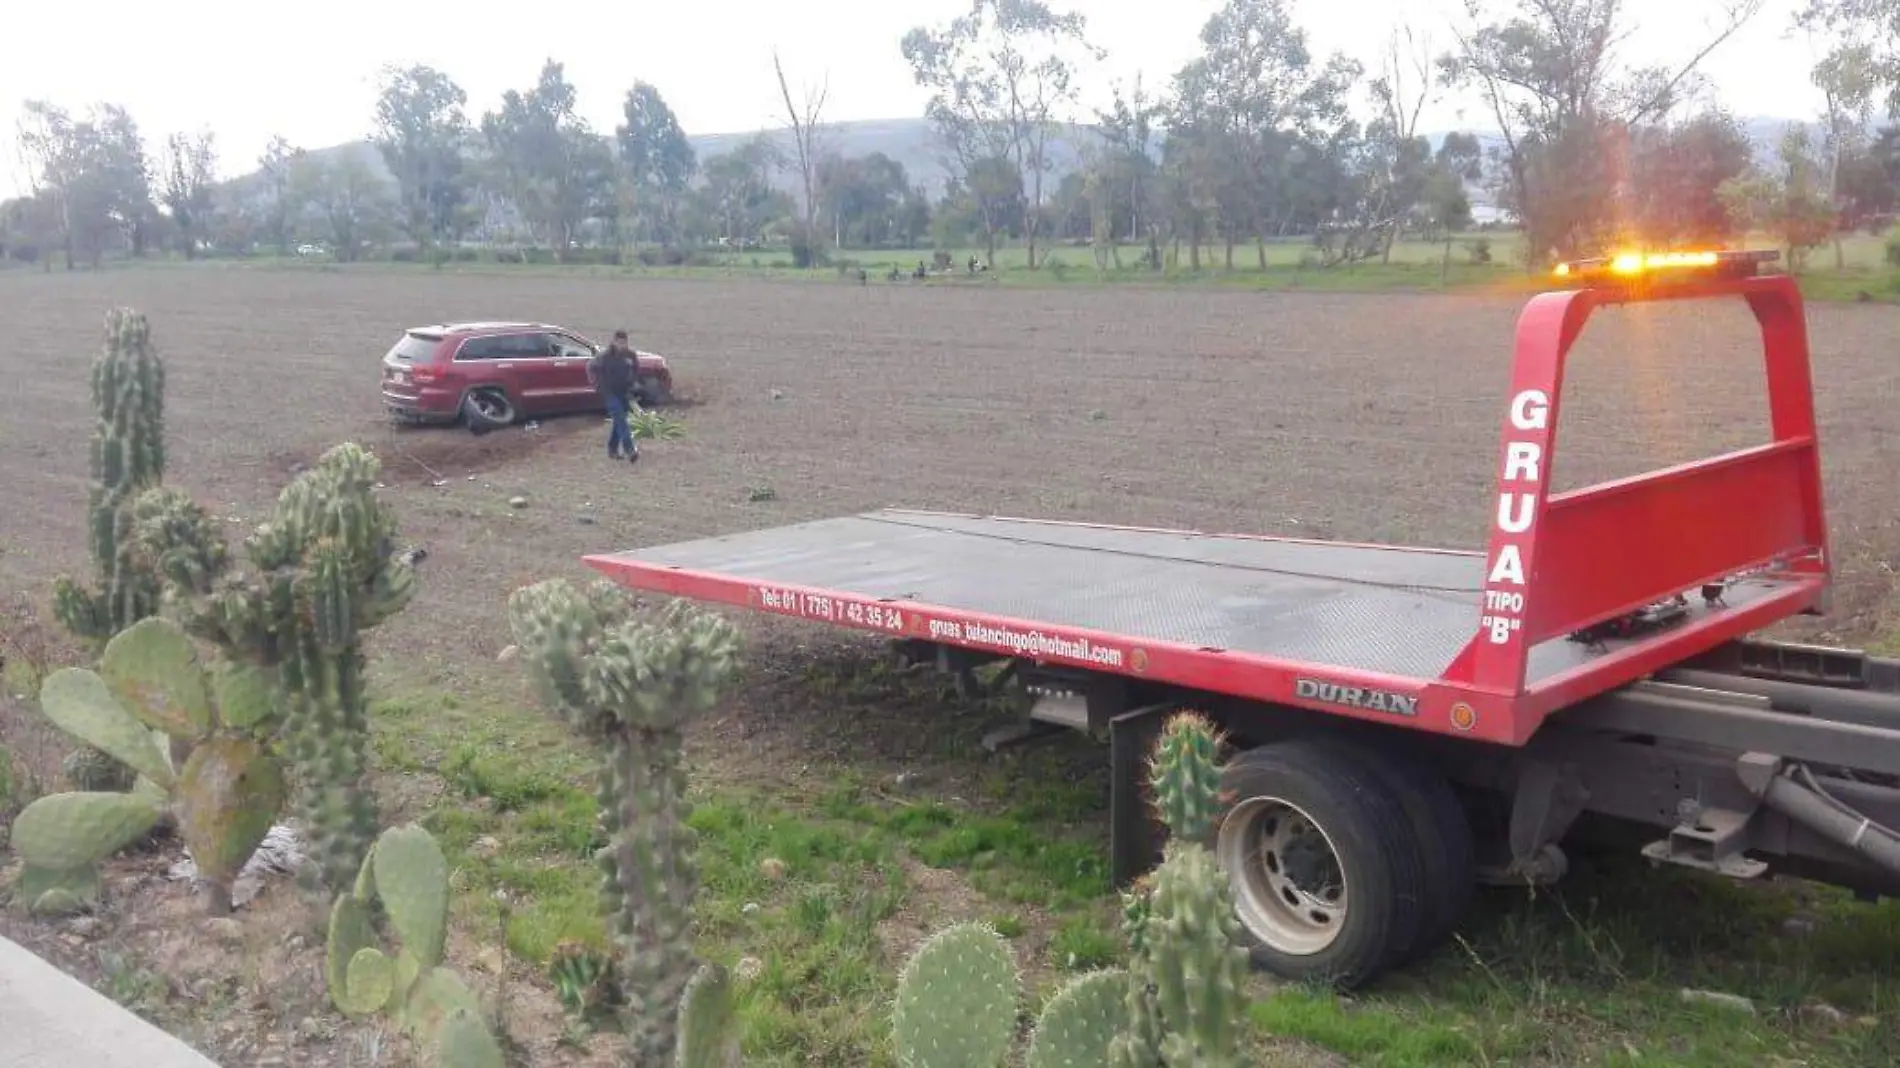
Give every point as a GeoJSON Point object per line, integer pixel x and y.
{"type": "Point", "coordinates": [49, 1019]}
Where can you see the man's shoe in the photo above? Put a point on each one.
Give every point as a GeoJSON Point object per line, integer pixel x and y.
{"type": "Point", "coordinates": [634, 456]}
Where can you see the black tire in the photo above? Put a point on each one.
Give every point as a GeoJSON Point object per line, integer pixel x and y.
{"type": "Point", "coordinates": [1367, 833]}
{"type": "Point", "coordinates": [487, 409]}
{"type": "Point", "coordinates": [1447, 847]}
{"type": "Point", "coordinates": [651, 393]}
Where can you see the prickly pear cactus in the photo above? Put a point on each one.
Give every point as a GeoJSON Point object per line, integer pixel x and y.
{"type": "Point", "coordinates": [153, 695]}
{"type": "Point", "coordinates": [1080, 1023]}
{"type": "Point", "coordinates": [92, 770]}
{"type": "Point", "coordinates": [634, 686]}
{"type": "Point", "coordinates": [61, 832]}
{"type": "Point", "coordinates": [956, 1001]}
{"type": "Point", "coordinates": [1185, 775]}
{"type": "Point", "coordinates": [406, 871]}
{"type": "Point", "coordinates": [127, 456]}
{"type": "Point", "coordinates": [229, 794]}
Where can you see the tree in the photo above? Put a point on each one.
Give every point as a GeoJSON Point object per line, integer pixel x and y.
{"type": "Point", "coordinates": [1127, 129]}
{"type": "Point", "coordinates": [738, 200]}
{"type": "Point", "coordinates": [421, 130]}
{"type": "Point", "coordinates": [804, 119]}
{"type": "Point", "coordinates": [657, 159]}
{"type": "Point", "coordinates": [1791, 202]}
{"type": "Point", "coordinates": [1240, 108]}
{"type": "Point", "coordinates": [190, 169]}
{"type": "Point", "coordinates": [1564, 104]}
{"type": "Point", "coordinates": [276, 166]}
{"type": "Point", "coordinates": [346, 204]}
{"type": "Point", "coordinates": [548, 158]}
{"type": "Point", "coordinates": [1401, 91]}
{"type": "Point", "coordinates": [1675, 171]}
{"type": "Point", "coordinates": [869, 201]}
{"type": "Point", "coordinates": [94, 174]}
{"type": "Point", "coordinates": [1000, 78]}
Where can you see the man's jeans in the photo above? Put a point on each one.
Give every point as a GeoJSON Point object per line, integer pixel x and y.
{"type": "Point", "coordinates": [619, 437]}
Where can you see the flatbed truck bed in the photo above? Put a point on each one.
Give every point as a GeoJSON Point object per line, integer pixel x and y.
{"type": "Point", "coordinates": [1363, 630]}
{"type": "Point", "coordinates": [1435, 718]}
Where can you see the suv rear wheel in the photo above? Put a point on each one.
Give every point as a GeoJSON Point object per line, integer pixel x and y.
{"type": "Point", "coordinates": [487, 409]}
{"type": "Point", "coordinates": [651, 394]}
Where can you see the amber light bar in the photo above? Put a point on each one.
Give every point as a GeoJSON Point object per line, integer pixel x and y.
{"type": "Point", "coordinates": [1637, 264]}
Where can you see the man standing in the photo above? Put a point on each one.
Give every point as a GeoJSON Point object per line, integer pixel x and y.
{"type": "Point", "coordinates": [612, 374]}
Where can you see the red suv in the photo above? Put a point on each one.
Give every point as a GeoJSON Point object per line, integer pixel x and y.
{"type": "Point", "coordinates": [494, 373]}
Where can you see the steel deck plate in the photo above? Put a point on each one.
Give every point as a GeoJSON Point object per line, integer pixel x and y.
{"type": "Point", "coordinates": [1392, 611]}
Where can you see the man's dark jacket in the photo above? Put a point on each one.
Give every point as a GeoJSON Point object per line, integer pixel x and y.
{"type": "Point", "coordinates": [613, 372]}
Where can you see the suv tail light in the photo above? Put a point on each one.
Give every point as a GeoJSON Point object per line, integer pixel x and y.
{"type": "Point", "coordinates": [424, 375]}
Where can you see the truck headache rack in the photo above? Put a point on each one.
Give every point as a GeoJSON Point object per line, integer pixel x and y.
{"type": "Point", "coordinates": [1474, 645]}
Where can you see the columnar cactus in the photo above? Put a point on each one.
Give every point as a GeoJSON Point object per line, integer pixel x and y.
{"type": "Point", "coordinates": [406, 871]}
{"type": "Point", "coordinates": [1186, 1000]}
{"type": "Point", "coordinates": [151, 685]}
{"type": "Point", "coordinates": [128, 457]}
{"type": "Point", "coordinates": [326, 571]}
{"type": "Point", "coordinates": [634, 686]}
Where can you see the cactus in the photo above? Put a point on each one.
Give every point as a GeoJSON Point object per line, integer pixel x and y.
{"type": "Point", "coordinates": [224, 795]}
{"type": "Point", "coordinates": [1185, 775]}
{"type": "Point", "coordinates": [1184, 998]}
{"type": "Point", "coordinates": [634, 686]}
{"type": "Point", "coordinates": [128, 457]}
{"type": "Point", "coordinates": [1197, 967]}
{"type": "Point", "coordinates": [325, 571]}
{"type": "Point", "coordinates": [956, 1008]}
{"type": "Point", "coordinates": [1179, 1004]}
{"type": "Point", "coordinates": [405, 870]}
{"type": "Point", "coordinates": [705, 1020]}
{"type": "Point", "coordinates": [956, 1001]}
{"type": "Point", "coordinates": [1080, 1023]}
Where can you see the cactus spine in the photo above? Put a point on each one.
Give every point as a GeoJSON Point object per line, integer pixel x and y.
{"type": "Point", "coordinates": [224, 794]}
{"type": "Point", "coordinates": [128, 457]}
{"type": "Point", "coordinates": [635, 686]}
{"type": "Point", "coordinates": [406, 872]}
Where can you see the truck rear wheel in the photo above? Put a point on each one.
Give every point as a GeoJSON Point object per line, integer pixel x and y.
{"type": "Point", "coordinates": [1325, 864]}
{"type": "Point", "coordinates": [1446, 846]}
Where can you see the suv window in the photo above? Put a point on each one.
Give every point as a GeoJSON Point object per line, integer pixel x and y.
{"type": "Point", "coordinates": [482, 348]}
{"type": "Point", "coordinates": [414, 348]}
{"type": "Point", "coordinates": [524, 346]}
{"type": "Point", "coordinates": [568, 348]}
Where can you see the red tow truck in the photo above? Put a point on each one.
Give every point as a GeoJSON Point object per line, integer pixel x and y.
{"type": "Point", "coordinates": [1409, 723]}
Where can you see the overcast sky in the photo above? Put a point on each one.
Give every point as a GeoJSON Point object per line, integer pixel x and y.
{"type": "Point", "coordinates": [222, 64]}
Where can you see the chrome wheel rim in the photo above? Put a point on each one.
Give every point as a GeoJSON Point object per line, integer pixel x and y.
{"type": "Point", "coordinates": [1289, 886]}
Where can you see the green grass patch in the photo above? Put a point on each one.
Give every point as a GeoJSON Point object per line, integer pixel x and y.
{"type": "Point", "coordinates": [1290, 265]}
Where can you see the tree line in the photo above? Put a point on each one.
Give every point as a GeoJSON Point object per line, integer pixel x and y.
{"type": "Point", "coordinates": [1254, 140]}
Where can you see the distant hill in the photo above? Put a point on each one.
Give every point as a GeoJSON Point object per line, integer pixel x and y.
{"type": "Point", "coordinates": [913, 143]}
